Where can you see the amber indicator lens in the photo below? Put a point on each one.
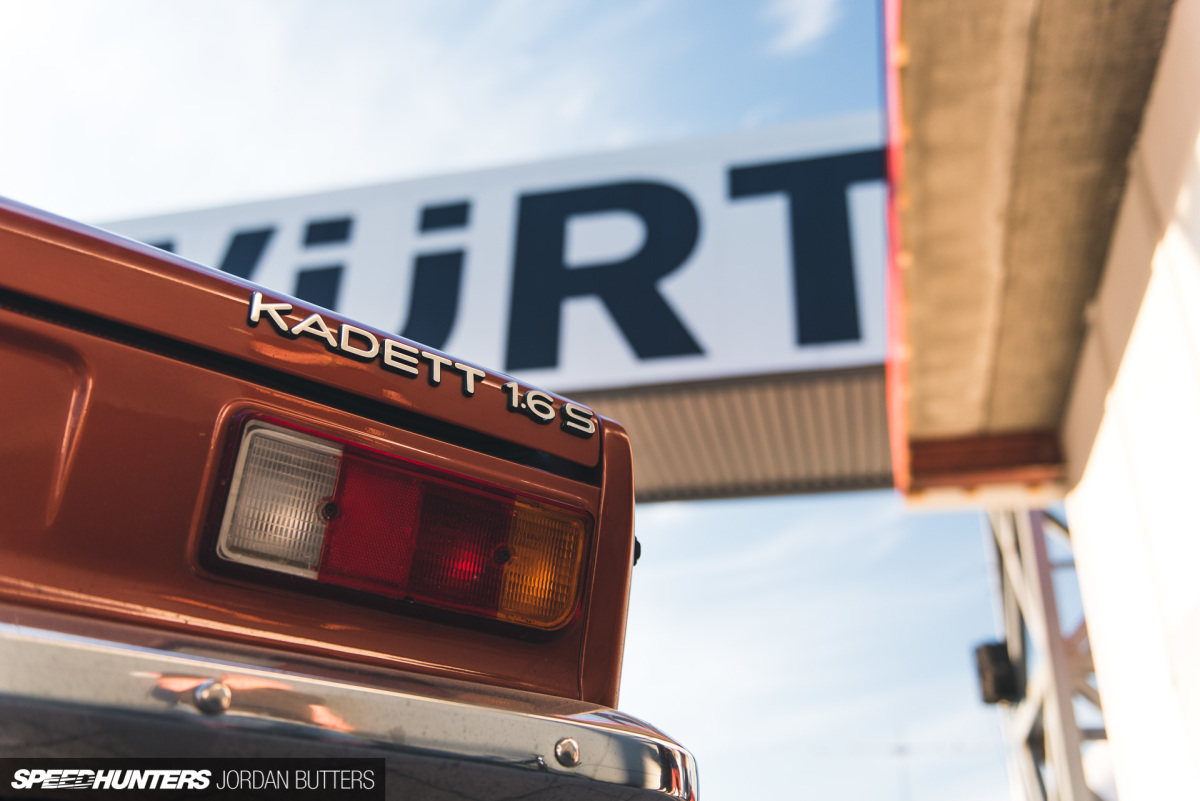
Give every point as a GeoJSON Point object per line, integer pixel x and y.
{"type": "Point", "coordinates": [341, 514]}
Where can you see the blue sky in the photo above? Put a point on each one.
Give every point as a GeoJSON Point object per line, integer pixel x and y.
{"type": "Point", "coordinates": [137, 107]}
{"type": "Point", "coordinates": [819, 644]}
{"type": "Point", "coordinates": [802, 647]}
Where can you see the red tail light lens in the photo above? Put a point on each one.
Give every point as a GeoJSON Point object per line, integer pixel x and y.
{"type": "Point", "coordinates": [345, 515]}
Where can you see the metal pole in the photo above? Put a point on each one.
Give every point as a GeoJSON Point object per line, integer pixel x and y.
{"type": "Point", "coordinates": [1040, 728]}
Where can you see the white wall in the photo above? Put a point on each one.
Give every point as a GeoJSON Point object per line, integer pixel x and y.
{"type": "Point", "coordinates": [1132, 437]}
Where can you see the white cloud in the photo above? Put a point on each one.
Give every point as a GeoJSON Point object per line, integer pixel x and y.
{"type": "Point", "coordinates": [802, 23]}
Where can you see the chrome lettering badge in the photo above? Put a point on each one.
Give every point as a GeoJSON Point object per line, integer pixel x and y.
{"type": "Point", "coordinates": [411, 362]}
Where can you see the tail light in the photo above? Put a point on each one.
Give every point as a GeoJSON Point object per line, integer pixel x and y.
{"type": "Point", "coordinates": [340, 514]}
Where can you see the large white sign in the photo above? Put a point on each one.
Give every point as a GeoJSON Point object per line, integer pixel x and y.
{"type": "Point", "coordinates": [759, 252]}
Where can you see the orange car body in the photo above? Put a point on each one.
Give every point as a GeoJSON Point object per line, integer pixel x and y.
{"type": "Point", "coordinates": [127, 374]}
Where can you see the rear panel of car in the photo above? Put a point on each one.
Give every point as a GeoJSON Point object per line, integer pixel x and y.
{"type": "Point", "coordinates": [129, 378]}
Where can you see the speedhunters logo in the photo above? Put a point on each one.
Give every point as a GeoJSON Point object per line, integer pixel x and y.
{"type": "Point", "coordinates": [74, 779]}
{"type": "Point", "coordinates": [312, 779]}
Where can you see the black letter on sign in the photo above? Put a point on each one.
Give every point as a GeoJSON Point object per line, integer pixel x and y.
{"type": "Point", "coordinates": [437, 278]}
{"type": "Point", "coordinates": [320, 285]}
{"type": "Point", "coordinates": [822, 261]}
{"type": "Point", "coordinates": [542, 280]}
{"type": "Point", "coordinates": [434, 302]}
{"type": "Point", "coordinates": [245, 249]}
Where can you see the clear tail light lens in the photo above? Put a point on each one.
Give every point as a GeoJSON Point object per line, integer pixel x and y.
{"type": "Point", "coordinates": [344, 515]}
{"type": "Point", "coordinates": [279, 482]}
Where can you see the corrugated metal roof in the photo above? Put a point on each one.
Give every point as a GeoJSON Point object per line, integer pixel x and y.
{"type": "Point", "coordinates": [762, 435]}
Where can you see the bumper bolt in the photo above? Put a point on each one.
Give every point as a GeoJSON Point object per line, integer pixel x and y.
{"type": "Point", "coordinates": [212, 697]}
{"type": "Point", "coordinates": [567, 753]}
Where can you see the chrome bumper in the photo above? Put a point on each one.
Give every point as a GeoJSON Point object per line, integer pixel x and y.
{"type": "Point", "coordinates": [39, 665]}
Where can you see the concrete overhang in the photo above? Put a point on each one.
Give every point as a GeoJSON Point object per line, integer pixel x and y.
{"type": "Point", "coordinates": [1012, 122]}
